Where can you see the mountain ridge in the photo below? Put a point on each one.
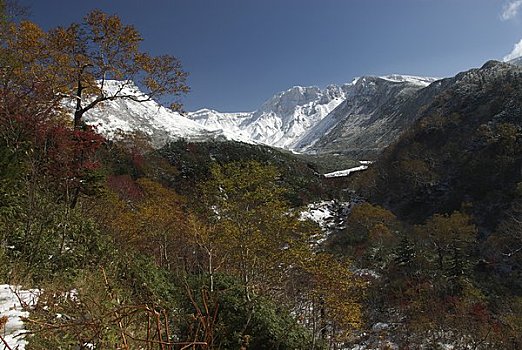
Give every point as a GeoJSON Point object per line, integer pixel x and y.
{"type": "Point", "coordinates": [290, 117]}
{"type": "Point", "coordinates": [464, 147]}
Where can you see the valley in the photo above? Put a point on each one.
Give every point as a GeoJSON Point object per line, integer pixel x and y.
{"type": "Point", "coordinates": [381, 213]}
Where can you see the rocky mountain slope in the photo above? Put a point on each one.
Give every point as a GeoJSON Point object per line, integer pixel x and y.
{"type": "Point", "coordinates": [300, 118]}
{"type": "Point", "coordinates": [464, 149]}
{"type": "Point", "coordinates": [371, 117]}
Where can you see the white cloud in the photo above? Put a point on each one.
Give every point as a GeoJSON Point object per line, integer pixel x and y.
{"type": "Point", "coordinates": [511, 10]}
{"type": "Point", "coordinates": [517, 52]}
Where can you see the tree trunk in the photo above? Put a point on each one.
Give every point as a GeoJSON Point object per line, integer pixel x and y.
{"type": "Point", "coordinates": [78, 112]}
{"type": "Point", "coordinates": [322, 315]}
{"type": "Point", "coordinates": [211, 271]}
{"type": "Point", "coordinates": [78, 122]}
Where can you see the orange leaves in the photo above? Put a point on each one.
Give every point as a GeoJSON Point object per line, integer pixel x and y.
{"type": "Point", "coordinates": [341, 290]}
{"type": "Point", "coordinates": [28, 73]}
{"type": "Point", "coordinates": [371, 224]}
{"type": "Point", "coordinates": [71, 62]}
{"type": "Point", "coordinates": [109, 30]}
{"type": "Point", "coordinates": [29, 39]}
{"type": "Point", "coordinates": [163, 74]}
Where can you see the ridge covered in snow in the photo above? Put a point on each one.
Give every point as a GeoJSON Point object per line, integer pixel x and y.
{"type": "Point", "coordinates": [126, 115]}
{"type": "Point", "coordinates": [399, 78]}
{"type": "Point", "coordinates": [292, 119]}
{"type": "Point", "coordinates": [281, 120]}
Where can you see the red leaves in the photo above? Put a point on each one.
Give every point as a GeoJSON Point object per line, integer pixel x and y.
{"type": "Point", "coordinates": [68, 153]}
{"type": "Point", "coordinates": [480, 312]}
{"type": "Point", "coordinates": [125, 187]}
{"type": "Point", "coordinates": [65, 159]}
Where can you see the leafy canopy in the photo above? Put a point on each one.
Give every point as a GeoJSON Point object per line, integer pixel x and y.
{"type": "Point", "coordinates": [75, 63]}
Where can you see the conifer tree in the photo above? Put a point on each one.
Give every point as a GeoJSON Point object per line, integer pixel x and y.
{"type": "Point", "coordinates": [449, 235]}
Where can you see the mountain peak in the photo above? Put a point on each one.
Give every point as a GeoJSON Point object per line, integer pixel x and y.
{"type": "Point", "coordinates": [492, 64]}
{"type": "Point", "coordinates": [282, 121]}
{"type": "Point", "coordinates": [149, 117]}
{"type": "Point", "coordinates": [205, 111]}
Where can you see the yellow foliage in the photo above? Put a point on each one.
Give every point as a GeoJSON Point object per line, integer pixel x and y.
{"type": "Point", "coordinates": [373, 223]}
{"type": "Point", "coordinates": [156, 223]}
{"type": "Point", "coordinates": [445, 229]}
{"type": "Point", "coordinates": [341, 290]}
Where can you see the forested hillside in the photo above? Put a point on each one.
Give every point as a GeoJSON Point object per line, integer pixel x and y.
{"type": "Point", "coordinates": [447, 248]}
{"type": "Point", "coordinates": [194, 245]}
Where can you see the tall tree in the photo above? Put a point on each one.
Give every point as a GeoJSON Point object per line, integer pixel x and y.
{"type": "Point", "coordinates": [76, 63]}
{"type": "Point", "coordinates": [451, 237]}
{"type": "Point", "coordinates": [251, 218]}
{"type": "Point", "coordinates": [257, 237]}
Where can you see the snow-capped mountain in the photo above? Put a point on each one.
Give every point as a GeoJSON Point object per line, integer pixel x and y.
{"type": "Point", "coordinates": [282, 119]}
{"type": "Point", "coordinates": [150, 118]}
{"type": "Point", "coordinates": [227, 124]}
{"type": "Point", "coordinates": [297, 118]}
{"type": "Point", "coordinates": [287, 116]}
{"type": "Point", "coordinates": [517, 61]}
{"type": "Point", "coordinates": [302, 119]}
{"type": "Point", "coordinates": [369, 119]}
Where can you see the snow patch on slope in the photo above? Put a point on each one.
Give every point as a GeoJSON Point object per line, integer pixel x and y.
{"type": "Point", "coordinates": [329, 215]}
{"type": "Point", "coordinates": [13, 305]}
{"type": "Point", "coordinates": [341, 173]}
{"type": "Point", "coordinates": [399, 78]}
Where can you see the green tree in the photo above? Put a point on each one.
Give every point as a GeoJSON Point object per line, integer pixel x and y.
{"type": "Point", "coordinates": [257, 238]}
{"type": "Point", "coordinates": [252, 219]}
{"type": "Point", "coordinates": [451, 236]}
{"type": "Point", "coordinates": [371, 232]}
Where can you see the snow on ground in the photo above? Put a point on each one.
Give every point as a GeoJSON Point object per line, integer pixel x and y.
{"type": "Point", "coordinates": [341, 173]}
{"type": "Point", "coordinates": [400, 78]}
{"type": "Point", "coordinates": [329, 215]}
{"type": "Point", "coordinates": [346, 172]}
{"type": "Point", "coordinates": [367, 273]}
{"type": "Point", "coordinates": [319, 213]}
{"type": "Point", "coordinates": [13, 305]}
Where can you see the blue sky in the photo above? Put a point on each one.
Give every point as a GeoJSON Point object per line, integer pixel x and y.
{"type": "Point", "coordinates": [240, 52]}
